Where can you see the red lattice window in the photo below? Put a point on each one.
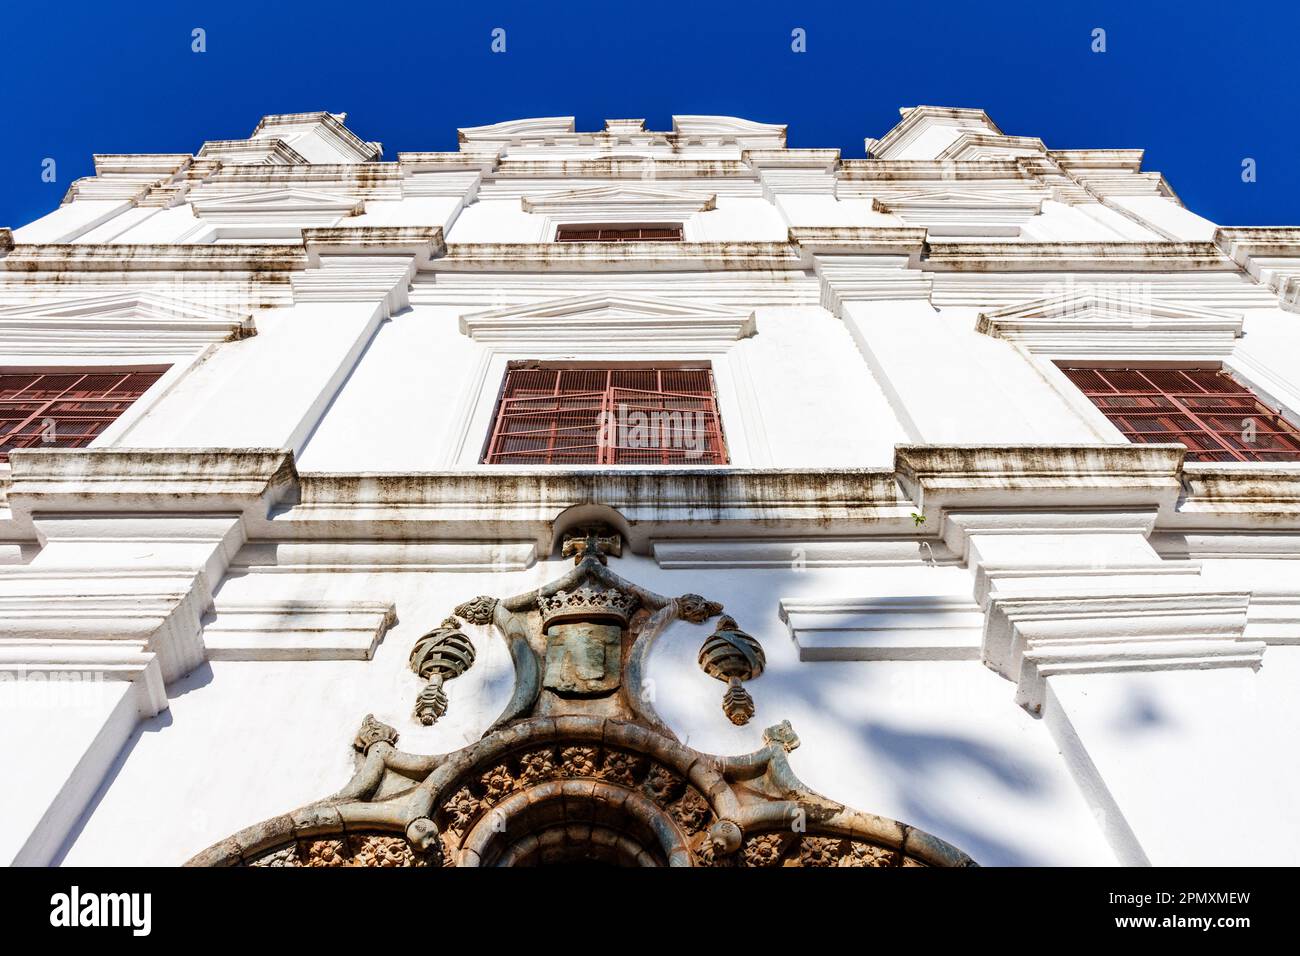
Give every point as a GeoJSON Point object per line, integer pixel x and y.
{"type": "Point", "coordinates": [592, 233]}
{"type": "Point", "coordinates": [65, 408]}
{"type": "Point", "coordinates": [1216, 417]}
{"type": "Point", "coordinates": [607, 416]}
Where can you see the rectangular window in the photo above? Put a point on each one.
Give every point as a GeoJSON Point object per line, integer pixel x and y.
{"type": "Point", "coordinates": [596, 233]}
{"type": "Point", "coordinates": [1216, 417]}
{"type": "Point", "coordinates": [66, 407]}
{"type": "Point", "coordinates": [619, 415]}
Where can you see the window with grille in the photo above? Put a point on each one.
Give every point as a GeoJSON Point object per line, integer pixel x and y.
{"type": "Point", "coordinates": [1215, 416]}
{"type": "Point", "coordinates": [65, 408]}
{"type": "Point", "coordinates": [607, 416]}
{"type": "Point", "coordinates": [594, 233]}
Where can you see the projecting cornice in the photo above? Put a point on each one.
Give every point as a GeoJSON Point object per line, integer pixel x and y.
{"type": "Point", "coordinates": [1270, 254]}
{"type": "Point", "coordinates": [273, 204]}
{"type": "Point", "coordinates": [423, 243]}
{"type": "Point", "coordinates": [859, 240]}
{"type": "Point", "coordinates": [947, 171]}
{"type": "Point", "coordinates": [731, 129]}
{"type": "Point", "coordinates": [515, 130]}
{"type": "Point", "coordinates": [646, 169]}
{"type": "Point", "coordinates": [1018, 476]}
{"type": "Point", "coordinates": [621, 256]}
{"type": "Point", "coordinates": [1004, 486]}
{"type": "Point", "coordinates": [955, 256]}
{"type": "Point", "coordinates": [124, 257]}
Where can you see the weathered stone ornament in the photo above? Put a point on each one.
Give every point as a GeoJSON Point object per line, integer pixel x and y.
{"type": "Point", "coordinates": [729, 654]}
{"type": "Point", "coordinates": [441, 655]}
{"type": "Point", "coordinates": [578, 767]}
{"type": "Point", "coordinates": [591, 541]}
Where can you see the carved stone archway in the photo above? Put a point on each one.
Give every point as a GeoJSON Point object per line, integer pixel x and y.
{"type": "Point", "coordinates": [579, 768]}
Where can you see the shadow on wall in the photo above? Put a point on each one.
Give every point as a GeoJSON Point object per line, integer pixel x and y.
{"type": "Point", "coordinates": [201, 676]}
{"type": "Point", "coordinates": [921, 765]}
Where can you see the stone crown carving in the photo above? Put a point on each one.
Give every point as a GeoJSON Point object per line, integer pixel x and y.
{"type": "Point", "coordinates": [587, 603]}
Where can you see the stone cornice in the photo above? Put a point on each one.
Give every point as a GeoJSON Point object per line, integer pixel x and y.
{"type": "Point", "coordinates": [647, 169]}
{"type": "Point", "coordinates": [955, 256]}
{"type": "Point", "coordinates": [6, 239]}
{"type": "Point", "coordinates": [124, 257]}
{"type": "Point", "coordinates": [148, 480]}
{"type": "Point", "coordinates": [430, 162]}
{"type": "Point", "coordinates": [423, 243]}
{"type": "Point", "coordinates": [942, 476]}
{"type": "Point", "coordinates": [141, 164]}
{"type": "Point", "coordinates": [827, 160]}
{"type": "Point", "coordinates": [859, 240]}
{"type": "Point", "coordinates": [622, 256]}
{"type": "Point", "coordinates": [949, 171]}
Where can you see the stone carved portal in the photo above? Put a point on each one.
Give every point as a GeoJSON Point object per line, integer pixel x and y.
{"type": "Point", "coordinates": [578, 769]}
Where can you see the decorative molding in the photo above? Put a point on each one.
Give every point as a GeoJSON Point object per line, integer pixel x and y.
{"type": "Point", "coordinates": [1097, 323]}
{"type": "Point", "coordinates": [1031, 637]}
{"type": "Point", "coordinates": [897, 628]}
{"type": "Point", "coordinates": [918, 120]}
{"type": "Point", "coordinates": [731, 129]}
{"type": "Point", "coordinates": [133, 323]}
{"type": "Point", "coordinates": [622, 199]}
{"type": "Point", "coordinates": [954, 256]}
{"type": "Point", "coordinates": [598, 257]}
{"type": "Point", "coordinates": [299, 207]}
{"type": "Point", "coordinates": [680, 553]}
{"type": "Point", "coordinates": [513, 131]}
{"type": "Point", "coordinates": [1271, 255]}
{"type": "Point", "coordinates": [296, 630]}
{"type": "Point", "coordinates": [955, 212]}
{"type": "Point", "coordinates": [609, 323]}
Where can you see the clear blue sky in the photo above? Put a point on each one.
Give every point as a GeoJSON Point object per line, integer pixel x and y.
{"type": "Point", "coordinates": [1200, 86]}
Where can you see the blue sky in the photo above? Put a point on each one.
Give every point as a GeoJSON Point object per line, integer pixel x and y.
{"type": "Point", "coordinates": [1200, 86]}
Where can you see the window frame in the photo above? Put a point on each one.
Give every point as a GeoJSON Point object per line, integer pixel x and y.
{"type": "Point", "coordinates": [558, 364]}
{"type": "Point", "coordinates": [738, 409]}
{"type": "Point", "coordinates": [619, 226]}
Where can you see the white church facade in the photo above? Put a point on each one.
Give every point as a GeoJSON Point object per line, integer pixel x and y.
{"type": "Point", "coordinates": [647, 498]}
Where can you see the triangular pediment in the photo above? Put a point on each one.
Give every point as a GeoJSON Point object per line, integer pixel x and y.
{"type": "Point", "coordinates": [146, 304]}
{"type": "Point", "coordinates": [601, 321]}
{"type": "Point", "coordinates": [1118, 317]}
{"type": "Point", "coordinates": [287, 200]}
{"type": "Point", "coordinates": [963, 198]}
{"type": "Point", "coordinates": [621, 194]}
{"type": "Point", "coordinates": [131, 323]}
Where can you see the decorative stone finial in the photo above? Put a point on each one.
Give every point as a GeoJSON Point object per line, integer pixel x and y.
{"type": "Point", "coordinates": [373, 732]}
{"type": "Point", "coordinates": [441, 655]}
{"type": "Point", "coordinates": [729, 654]}
{"type": "Point", "coordinates": [782, 734]}
{"type": "Point", "coordinates": [697, 609]}
{"type": "Point", "coordinates": [479, 610]}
